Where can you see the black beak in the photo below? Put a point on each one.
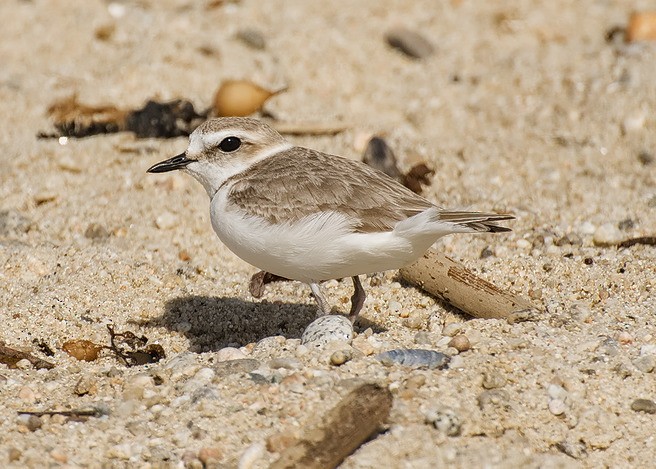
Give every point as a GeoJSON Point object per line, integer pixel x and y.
{"type": "Point", "coordinates": [177, 162]}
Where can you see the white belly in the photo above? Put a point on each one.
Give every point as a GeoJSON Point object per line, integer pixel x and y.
{"type": "Point", "coordinates": [316, 248]}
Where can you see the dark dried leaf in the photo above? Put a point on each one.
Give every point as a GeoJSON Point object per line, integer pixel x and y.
{"type": "Point", "coordinates": [418, 175]}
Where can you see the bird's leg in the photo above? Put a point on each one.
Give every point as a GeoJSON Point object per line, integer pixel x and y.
{"type": "Point", "coordinates": [357, 300]}
{"type": "Point", "coordinates": [319, 298]}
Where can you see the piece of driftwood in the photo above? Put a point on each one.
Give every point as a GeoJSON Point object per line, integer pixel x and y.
{"type": "Point", "coordinates": [10, 357]}
{"type": "Point", "coordinates": [356, 418]}
{"type": "Point", "coordinates": [449, 280]}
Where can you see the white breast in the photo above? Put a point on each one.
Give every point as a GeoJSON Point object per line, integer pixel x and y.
{"type": "Point", "coordinates": [318, 247]}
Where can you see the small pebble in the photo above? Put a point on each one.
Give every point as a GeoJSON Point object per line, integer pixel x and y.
{"type": "Point", "coordinates": [646, 158]}
{"type": "Point", "coordinates": [340, 357]}
{"type": "Point", "coordinates": [493, 398]}
{"type": "Point", "coordinates": [229, 353]}
{"type": "Point", "coordinates": [523, 244]}
{"type": "Point", "coordinates": [609, 347]}
{"type": "Point", "coordinates": [556, 391]}
{"type": "Point", "coordinates": [445, 420]}
{"type": "Point", "coordinates": [414, 322]}
{"type": "Point", "coordinates": [166, 221]}
{"type": "Point", "coordinates": [395, 306]}
{"type": "Point", "coordinates": [648, 349]}
{"type": "Point", "coordinates": [210, 455]}
{"type": "Point", "coordinates": [493, 380]}
{"type": "Point", "coordinates": [252, 454]}
{"type": "Point", "coordinates": [644, 405]}
{"type": "Point", "coordinates": [633, 123]}
{"type": "Point", "coordinates": [645, 363]}
{"type": "Point", "coordinates": [96, 231]}
{"type": "Point", "coordinates": [557, 407]}
{"type": "Point", "coordinates": [423, 338]}
{"type": "Point", "coordinates": [14, 454]}
{"type": "Point", "coordinates": [457, 362]}
{"type": "Point", "coordinates": [31, 422]}
{"type": "Point", "coordinates": [231, 367]}
{"type": "Point", "coordinates": [286, 363]}
{"type": "Point", "coordinates": [59, 455]}
{"type": "Point", "coordinates": [587, 228]}
{"type": "Point", "coordinates": [452, 329]}
{"type": "Point", "coordinates": [27, 395]}
{"type": "Point", "coordinates": [86, 385]}
{"type": "Point", "coordinates": [606, 234]}
{"type": "Point", "coordinates": [415, 381]}
{"type": "Point", "coordinates": [409, 42]}
{"type": "Point", "coordinates": [575, 449]}
{"type": "Point", "coordinates": [326, 329]}
{"type": "Point", "coordinates": [460, 342]}
{"type": "Point", "coordinates": [24, 364]}
{"type": "Point", "coordinates": [252, 38]}
{"type": "Point", "coordinates": [134, 387]}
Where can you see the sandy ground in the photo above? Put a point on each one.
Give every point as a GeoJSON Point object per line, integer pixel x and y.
{"type": "Point", "coordinates": [524, 107]}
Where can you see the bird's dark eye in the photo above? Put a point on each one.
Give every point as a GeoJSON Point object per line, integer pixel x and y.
{"type": "Point", "coordinates": [229, 144]}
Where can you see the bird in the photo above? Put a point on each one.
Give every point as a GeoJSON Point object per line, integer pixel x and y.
{"type": "Point", "coordinates": [310, 216]}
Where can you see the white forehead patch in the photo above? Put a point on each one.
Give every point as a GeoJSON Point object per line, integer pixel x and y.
{"type": "Point", "coordinates": [199, 141]}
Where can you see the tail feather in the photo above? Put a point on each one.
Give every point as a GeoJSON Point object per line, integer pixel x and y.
{"type": "Point", "coordinates": [477, 221]}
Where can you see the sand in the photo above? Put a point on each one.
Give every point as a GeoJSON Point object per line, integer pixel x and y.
{"type": "Point", "coordinates": [523, 107]}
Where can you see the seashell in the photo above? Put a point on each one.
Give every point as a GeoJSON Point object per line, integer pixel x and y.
{"type": "Point", "coordinates": [240, 98]}
{"type": "Point", "coordinates": [82, 349]}
{"type": "Point", "coordinates": [417, 358]}
{"type": "Point", "coordinates": [326, 329]}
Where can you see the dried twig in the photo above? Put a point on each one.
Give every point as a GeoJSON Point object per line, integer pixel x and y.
{"type": "Point", "coordinates": [92, 412]}
{"type": "Point", "coordinates": [627, 243]}
{"type": "Point", "coordinates": [447, 279]}
{"type": "Point", "coordinates": [10, 357]}
{"type": "Point", "coordinates": [358, 416]}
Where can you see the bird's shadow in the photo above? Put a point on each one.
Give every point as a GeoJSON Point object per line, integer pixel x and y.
{"type": "Point", "coordinates": [211, 323]}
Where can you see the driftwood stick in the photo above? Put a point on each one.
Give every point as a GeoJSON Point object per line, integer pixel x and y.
{"type": "Point", "coordinates": [358, 416]}
{"type": "Point", "coordinates": [10, 356]}
{"type": "Point", "coordinates": [449, 280]}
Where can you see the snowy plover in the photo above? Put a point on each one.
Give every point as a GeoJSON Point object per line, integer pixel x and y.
{"type": "Point", "coordinates": [309, 216]}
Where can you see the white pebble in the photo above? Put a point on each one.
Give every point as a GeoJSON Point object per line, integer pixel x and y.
{"type": "Point", "coordinates": [587, 228]}
{"type": "Point", "coordinates": [606, 234]}
{"type": "Point", "coordinates": [649, 349]}
{"type": "Point", "coordinates": [229, 353]}
{"type": "Point", "coordinates": [452, 329]}
{"type": "Point", "coordinates": [252, 454]}
{"type": "Point", "coordinates": [633, 122]}
{"type": "Point", "coordinates": [557, 407]}
{"type": "Point", "coordinates": [166, 221]}
{"type": "Point", "coordinates": [395, 306]}
{"type": "Point", "coordinates": [556, 392]}
{"type": "Point", "coordinates": [523, 244]}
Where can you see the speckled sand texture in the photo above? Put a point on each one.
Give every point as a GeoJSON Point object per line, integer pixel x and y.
{"type": "Point", "coordinates": [523, 107]}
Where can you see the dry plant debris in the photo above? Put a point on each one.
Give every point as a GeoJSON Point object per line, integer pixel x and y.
{"type": "Point", "coordinates": [130, 349]}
